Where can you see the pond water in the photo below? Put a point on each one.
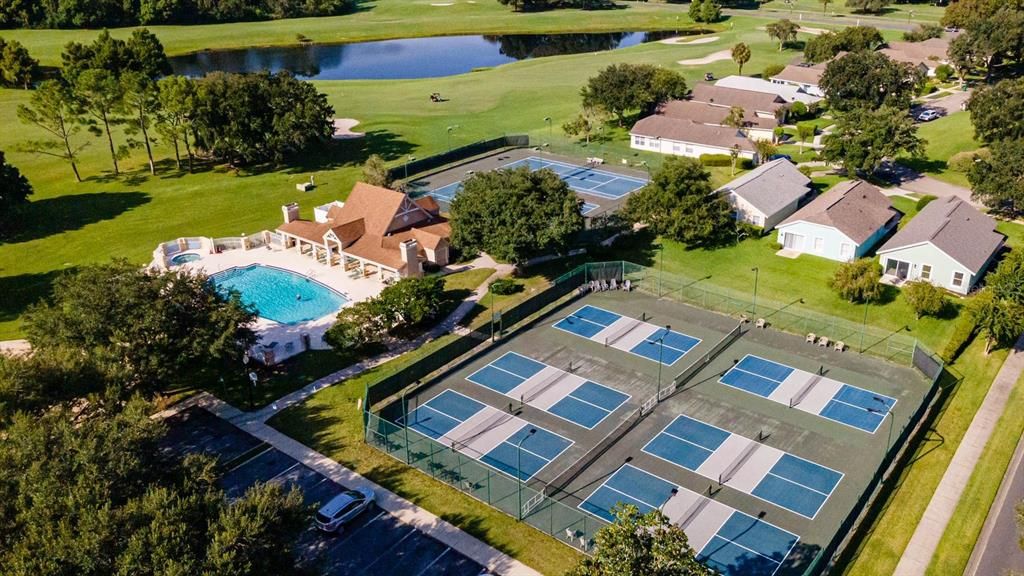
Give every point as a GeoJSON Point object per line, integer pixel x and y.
{"type": "Point", "coordinates": [405, 58]}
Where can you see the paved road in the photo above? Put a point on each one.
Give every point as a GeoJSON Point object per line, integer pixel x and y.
{"type": "Point", "coordinates": [997, 550]}
{"type": "Point", "coordinates": [376, 544]}
{"type": "Point", "coordinates": [950, 104]}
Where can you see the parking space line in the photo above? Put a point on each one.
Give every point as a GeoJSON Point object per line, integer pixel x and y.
{"type": "Point", "coordinates": [250, 459]}
{"type": "Point", "coordinates": [412, 531]}
{"type": "Point", "coordinates": [432, 562]}
{"type": "Point", "coordinates": [282, 473]}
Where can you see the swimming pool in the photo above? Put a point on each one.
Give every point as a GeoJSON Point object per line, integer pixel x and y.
{"type": "Point", "coordinates": [279, 295]}
{"type": "Point", "coordinates": [185, 257]}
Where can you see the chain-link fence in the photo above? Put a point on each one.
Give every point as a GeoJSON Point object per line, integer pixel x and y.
{"type": "Point", "coordinates": [569, 525]}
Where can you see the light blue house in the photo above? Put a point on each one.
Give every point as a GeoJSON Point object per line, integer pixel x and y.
{"type": "Point", "coordinates": [842, 224]}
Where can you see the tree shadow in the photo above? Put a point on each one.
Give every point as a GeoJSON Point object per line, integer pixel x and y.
{"type": "Point", "coordinates": [23, 290]}
{"type": "Point", "coordinates": [340, 153]}
{"type": "Point", "coordinates": [49, 216]}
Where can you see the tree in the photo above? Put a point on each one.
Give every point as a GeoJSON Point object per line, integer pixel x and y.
{"type": "Point", "coordinates": [622, 88]}
{"type": "Point", "coordinates": [740, 55]}
{"type": "Point", "coordinates": [736, 117]}
{"type": "Point", "coordinates": [824, 5]}
{"type": "Point", "coordinates": [153, 330]}
{"type": "Point", "coordinates": [356, 329]}
{"type": "Point", "coordinates": [998, 180]}
{"type": "Point", "coordinates": [585, 123]}
{"type": "Point", "coordinates": [999, 320]}
{"type": "Point", "coordinates": [784, 31]}
{"type": "Point", "coordinates": [710, 12]}
{"type": "Point", "coordinates": [146, 55]}
{"type": "Point", "coordinates": [648, 544]}
{"type": "Point", "coordinates": [863, 138]}
{"type": "Point", "coordinates": [827, 45]}
{"type": "Point", "coordinates": [53, 109]}
{"type": "Point", "coordinates": [174, 120]}
{"type": "Point", "coordinates": [101, 96]}
{"type": "Point", "coordinates": [410, 302]}
{"type": "Point", "coordinates": [17, 67]}
{"type": "Point", "coordinates": [515, 214]}
{"type": "Point", "coordinates": [375, 172]}
{"type": "Point", "coordinates": [869, 80]}
{"type": "Point", "coordinates": [923, 32]}
{"type": "Point", "coordinates": [997, 111]}
{"type": "Point", "coordinates": [867, 6]}
{"type": "Point", "coordinates": [858, 281]}
{"type": "Point", "coordinates": [679, 203]}
{"type": "Point", "coordinates": [765, 149]}
{"type": "Point", "coordinates": [924, 298]}
{"type": "Point", "coordinates": [142, 102]}
{"type": "Point", "coordinates": [804, 134]}
{"type": "Point", "coordinates": [14, 193]}
{"type": "Point", "coordinates": [965, 13]}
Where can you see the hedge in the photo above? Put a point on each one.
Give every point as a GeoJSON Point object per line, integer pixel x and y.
{"type": "Point", "coordinates": [712, 160]}
{"type": "Point", "coordinates": [962, 334]}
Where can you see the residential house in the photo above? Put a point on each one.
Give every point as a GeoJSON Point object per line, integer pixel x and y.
{"type": "Point", "coordinates": [949, 243]}
{"type": "Point", "coordinates": [787, 92]}
{"type": "Point", "coordinates": [681, 137]}
{"type": "Point", "coordinates": [754, 127]}
{"type": "Point", "coordinates": [760, 104]}
{"type": "Point", "coordinates": [806, 77]}
{"type": "Point", "coordinates": [926, 55]}
{"type": "Point", "coordinates": [767, 194]}
{"type": "Point", "coordinates": [842, 224]}
{"type": "Point", "coordinates": [376, 231]}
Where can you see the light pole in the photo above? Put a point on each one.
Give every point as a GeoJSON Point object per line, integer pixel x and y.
{"type": "Point", "coordinates": [245, 369]}
{"type": "Point", "coordinates": [519, 468]}
{"type": "Point", "coordinates": [661, 351]}
{"type": "Point", "coordinates": [451, 129]}
{"type": "Point", "coordinates": [408, 159]}
{"type": "Point", "coordinates": [892, 418]}
{"type": "Point", "coordinates": [757, 273]}
{"type": "Point", "coordinates": [405, 422]}
{"type": "Point", "coordinates": [864, 325]}
{"type": "Point", "coordinates": [548, 120]}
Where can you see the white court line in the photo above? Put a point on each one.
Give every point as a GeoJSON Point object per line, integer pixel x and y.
{"type": "Point", "coordinates": [795, 483]}
{"type": "Point", "coordinates": [578, 399]}
{"type": "Point", "coordinates": [630, 496]}
{"type": "Point", "coordinates": [673, 363]}
{"type": "Point", "coordinates": [680, 438]}
{"type": "Point", "coordinates": [593, 170]}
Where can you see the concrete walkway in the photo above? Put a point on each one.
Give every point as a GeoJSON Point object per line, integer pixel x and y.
{"type": "Point", "coordinates": [446, 326]}
{"type": "Point", "coordinates": [405, 511]}
{"type": "Point", "coordinates": [925, 541]}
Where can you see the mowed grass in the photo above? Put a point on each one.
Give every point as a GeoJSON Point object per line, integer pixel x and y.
{"type": "Point", "coordinates": [962, 533]}
{"type": "Point", "coordinates": [880, 551]}
{"type": "Point", "coordinates": [901, 11]}
{"type": "Point", "coordinates": [945, 137]}
{"type": "Point", "coordinates": [70, 224]}
{"type": "Point", "coordinates": [377, 20]}
{"type": "Point", "coordinates": [330, 422]}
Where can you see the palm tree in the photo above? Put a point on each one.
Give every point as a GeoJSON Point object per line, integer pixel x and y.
{"type": "Point", "coordinates": [741, 55]}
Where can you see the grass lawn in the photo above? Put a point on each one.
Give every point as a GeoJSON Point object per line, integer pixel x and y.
{"type": "Point", "coordinates": [921, 11]}
{"type": "Point", "coordinates": [945, 137]}
{"type": "Point", "coordinates": [960, 536]}
{"type": "Point", "coordinates": [69, 224]}
{"type": "Point", "coordinates": [377, 20]}
{"type": "Point", "coordinates": [330, 423]}
{"type": "Point", "coordinates": [879, 553]}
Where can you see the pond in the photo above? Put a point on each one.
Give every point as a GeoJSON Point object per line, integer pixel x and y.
{"type": "Point", "coordinates": [405, 58]}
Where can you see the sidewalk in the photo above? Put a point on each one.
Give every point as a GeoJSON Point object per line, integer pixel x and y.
{"type": "Point", "coordinates": [925, 541]}
{"type": "Point", "coordinates": [998, 550]}
{"type": "Point", "coordinates": [405, 511]}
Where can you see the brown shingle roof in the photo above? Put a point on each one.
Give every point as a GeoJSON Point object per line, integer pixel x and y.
{"type": "Point", "coordinates": [707, 114]}
{"type": "Point", "coordinates": [746, 99]}
{"type": "Point", "coordinates": [810, 75]}
{"type": "Point", "coordinates": [311, 231]}
{"type": "Point", "coordinates": [855, 208]}
{"type": "Point", "coordinates": [659, 126]}
{"type": "Point", "coordinates": [931, 52]}
{"type": "Point", "coordinates": [956, 228]}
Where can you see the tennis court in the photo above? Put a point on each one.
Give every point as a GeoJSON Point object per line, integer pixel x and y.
{"type": "Point", "coordinates": [790, 482]}
{"type": "Point", "coordinates": [629, 334]}
{"type": "Point", "coordinates": [813, 393]}
{"type": "Point", "coordinates": [503, 441]}
{"type": "Point", "coordinates": [551, 389]}
{"type": "Point", "coordinates": [446, 194]}
{"type": "Point", "coordinates": [731, 542]}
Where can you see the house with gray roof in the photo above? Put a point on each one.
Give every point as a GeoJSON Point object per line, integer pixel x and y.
{"type": "Point", "coordinates": [842, 224]}
{"type": "Point", "coordinates": [767, 194]}
{"type": "Point", "coordinates": [949, 243]}
{"type": "Point", "coordinates": [806, 77]}
{"type": "Point", "coordinates": [684, 137]}
{"type": "Point", "coordinates": [787, 92]}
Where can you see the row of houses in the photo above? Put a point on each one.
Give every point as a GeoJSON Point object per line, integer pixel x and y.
{"type": "Point", "coordinates": [697, 126]}
{"type": "Point", "coordinates": [948, 243]}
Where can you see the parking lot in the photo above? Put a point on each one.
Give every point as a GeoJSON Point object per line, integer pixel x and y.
{"type": "Point", "coordinates": [375, 543]}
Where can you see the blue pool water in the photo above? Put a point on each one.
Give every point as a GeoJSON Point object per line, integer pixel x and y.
{"type": "Point", "coordinates": [280, 295]}
{"type": "Point", "coordinates": [186, 257]}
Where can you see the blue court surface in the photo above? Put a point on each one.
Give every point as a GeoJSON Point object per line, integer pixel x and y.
{"type": "Point", "coordinates": [585, 403]}
{"type": "Point", "coordinates": [731, 542]}
{"type": "Point", "coordinates": [442, 413]}
{"type": "Point", "coordinates": [447, 193]}
{"type": "Point", "coordinates": [657, 343]}
{"type": "Point", "coordinates": [849, 405]}
{"type": "Point", "coordinates": [782, 479]}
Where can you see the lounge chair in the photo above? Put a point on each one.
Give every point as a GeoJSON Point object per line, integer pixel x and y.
{"type": "Point", "coordinates": [811, 337]}
{"type": "Point", "coordinates": [604, 285]}
{"type": "Point", "coordinates": [627, 286]}
{"type": "Point", "coordinates": [761, 323]}
{"type": "Point", "coordinates": [823, 341]}
{"type": "Point", "coordinates": [613, 285]}
{"type": "Point", "coordinates": [840, 346]}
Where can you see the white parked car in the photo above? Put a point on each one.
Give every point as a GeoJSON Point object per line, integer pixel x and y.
{"type": "Point", "coordinates": [343, 508]}
{"type": "Point", "coordinates": [928, 115]}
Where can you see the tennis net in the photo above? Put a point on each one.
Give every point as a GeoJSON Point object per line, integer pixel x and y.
{"type": "Point", "coordinates": [804, 391]}
{"type": "Point", "coordinates": [738, 463]}
{"type": "Point", "coordinates": [627, 327]}
{"type": "Point", "coordinates": [542, 386]}
{"type": "Point", "coordinates": [462, 443]}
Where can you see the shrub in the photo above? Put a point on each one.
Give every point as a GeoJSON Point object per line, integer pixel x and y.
{"type": "Point", "coordinates": [963, 331]}
{"type": "Point", "coordinates": [806, 170]}
{"type": "Point", "coordinates": [923, 32]}
{"type": "Point", "coordinates": [505, 286]}
{"type": "Point", "coordinates": [944, 72]}
{"type": "Point", "coordinates": [724, 160]}
{"type": "Point", "coordinates": [925, 298]}
{"type": "Point", "coordinates": [924, 201]}
{"type": "Point", "coordinates": [771, 70]}
{"type": "Point", "coordinates": [807, 124]}
{"type": "Point", "coordinates": [963, 161]}
{"type": "Point", "coordinates": [798, 110]}
{"type": "Point", "coordinates": [858, 281]}
{"type": "Point", "coordinates": [926, 89]}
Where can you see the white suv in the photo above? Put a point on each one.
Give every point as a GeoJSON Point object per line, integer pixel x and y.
{"type": "Point", "coordinates": [343, 508]}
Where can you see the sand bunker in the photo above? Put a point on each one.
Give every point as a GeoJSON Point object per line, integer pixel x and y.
{"type": "Point", "coordinates": [713, 57]}
{"type": "Point", "coordinates": [682, 40]}
{"type": "Point", "coordinates": [343, 129]}
{"type": "Point", "coordinates": [442, 3]}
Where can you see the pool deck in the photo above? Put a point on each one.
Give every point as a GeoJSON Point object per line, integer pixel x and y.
{"type": "Point", "coordinates": [336, 278]}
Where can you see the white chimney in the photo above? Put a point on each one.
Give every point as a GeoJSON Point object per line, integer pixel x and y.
{"type": "Point", "coordinates": [290, 212]}
{"type": "Point", "coordinates": [410, 255]}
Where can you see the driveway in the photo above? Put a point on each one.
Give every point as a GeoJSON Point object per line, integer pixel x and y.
{"type": "Point", "coordinates": [909, 180]}
{"type": "Point", "coordinates": [949, 104]}
{"type": "Point", "coordinates": [374, 544]}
